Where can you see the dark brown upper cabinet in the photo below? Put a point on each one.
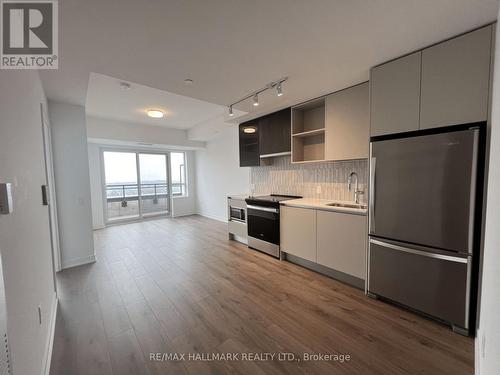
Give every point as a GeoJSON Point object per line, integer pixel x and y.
{"type": "Point", "coordinates": [264, 137]}
{"type": "Point", "coordinates": [275, 133]}
{"type": "Point", "coordinates": [249, 143]}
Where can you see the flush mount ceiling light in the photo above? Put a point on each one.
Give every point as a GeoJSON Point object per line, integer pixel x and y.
{"type": "Point", "coordinates": [255, 95]}
{"type": "Point", "coordinates": [155, 113]}
{"type": "Point", "coordinates": [249, 130]}
{"type": "Point", "coordinates": [188, 81]}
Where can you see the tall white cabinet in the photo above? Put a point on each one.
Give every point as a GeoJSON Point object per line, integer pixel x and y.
{"type": "Point", "coordinates": [455, 80]}
{"type": "Point", "coordinates": [395, 95]}
{"type": "Point", "coordinates": [445, 84]}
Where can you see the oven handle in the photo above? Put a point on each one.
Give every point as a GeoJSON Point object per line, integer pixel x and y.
{"type": "Point", "coordinates": [267, 209]}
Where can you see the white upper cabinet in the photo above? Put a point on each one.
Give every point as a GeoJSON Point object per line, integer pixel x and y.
{"type": "Point", "coordinates": [347, 124]}
{"type": "Point", "coordinates": [455, 80]}
{"type": "Point", "coordinates": [395, 95]}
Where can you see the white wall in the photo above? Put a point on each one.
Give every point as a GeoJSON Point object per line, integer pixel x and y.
{"type": "Point", "coordinates": [96, 185]}
{"type": "Point", "coordinates": [182, 206]}
{"type": "Point", "coordinates": [488, 338]}
{"type": "Point", "coordinates": [102, 129]}
{"type": "Point", "coordinates": [24, 234]}
{"type": "Point", "coordinates": [71, 170]}
{"type": "Point", "coordinates": [218, 174]}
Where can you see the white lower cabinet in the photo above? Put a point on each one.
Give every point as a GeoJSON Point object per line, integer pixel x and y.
{"type": "Point", "coordinates": [298, 232]}
{"type": "Point", "coordinates": [332, 239]}
{"type": "Point", "coordinates": [341, 242]}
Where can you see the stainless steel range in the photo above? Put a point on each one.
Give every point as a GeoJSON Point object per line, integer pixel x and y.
{"type": "Point", "coordinates": [263, 222]}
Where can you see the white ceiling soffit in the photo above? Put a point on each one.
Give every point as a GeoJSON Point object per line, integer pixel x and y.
{"type": "Point", "coordinates": [106, 98]}
{"type": "Point", "coordinates": [232, 47]}
{"type": "Point", "coordinates": [139, 145]}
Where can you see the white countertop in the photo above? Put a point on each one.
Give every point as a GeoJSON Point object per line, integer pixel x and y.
{"type": "Point", "coordinates": [321, 204]}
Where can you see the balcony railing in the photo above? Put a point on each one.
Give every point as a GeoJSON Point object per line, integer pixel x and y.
{"type": "Point", "coordinates": [130, 192]}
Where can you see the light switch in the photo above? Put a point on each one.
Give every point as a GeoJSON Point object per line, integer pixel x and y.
{"type": "Point", "coordinates": [5, 198]}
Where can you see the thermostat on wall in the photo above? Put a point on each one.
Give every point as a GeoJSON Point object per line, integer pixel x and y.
{"type": "Point", "coordinates": [5, 198]}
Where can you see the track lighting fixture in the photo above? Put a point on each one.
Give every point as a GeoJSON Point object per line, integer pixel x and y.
{"type": "Point", "coordinates": [255, 94]}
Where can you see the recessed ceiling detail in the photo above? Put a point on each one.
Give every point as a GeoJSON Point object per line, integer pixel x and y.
{"type": "Point", "coordinates": [106, 98]}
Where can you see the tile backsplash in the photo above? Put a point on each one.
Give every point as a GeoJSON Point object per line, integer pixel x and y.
{"type": "Point", "coordinates": [327, 180]}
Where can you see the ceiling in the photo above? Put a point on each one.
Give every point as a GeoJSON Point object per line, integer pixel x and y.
{"type": "Point", "coordinates": [232, 47]}
{"type": "Point", "coordinates": [106, 98]}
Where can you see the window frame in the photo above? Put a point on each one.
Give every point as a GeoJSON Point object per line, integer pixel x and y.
{"type": "Point", "coordinates": [137, 151]}
{"type": "Point", "coordinates": [183, 185]}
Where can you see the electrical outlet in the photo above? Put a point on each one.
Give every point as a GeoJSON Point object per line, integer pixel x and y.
{"type": "Point", "coordinates": [40, 314]}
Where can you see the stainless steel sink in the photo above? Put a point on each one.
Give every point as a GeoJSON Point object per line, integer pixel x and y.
{"type": "Point", "coordinates": [348, 205]}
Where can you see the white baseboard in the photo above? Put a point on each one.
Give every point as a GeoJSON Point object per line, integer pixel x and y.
{"type": "Point", "coordinates": [477, 352]}
{"type": "Point", "coordinates": [50, 339]}
{"type": "Point", "coordinates": [183, 214]}
{"type": "Point", "coordinates": [218, 218]}
{"type": "Point", "coordinates": [78, 262]}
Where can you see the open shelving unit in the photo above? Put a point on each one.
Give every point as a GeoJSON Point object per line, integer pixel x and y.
{"type": "Point", "coordinates": [308, 132]}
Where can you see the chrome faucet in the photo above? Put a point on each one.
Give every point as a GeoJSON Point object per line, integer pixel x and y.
{"type": "Point", "coordinates": [357, 192]}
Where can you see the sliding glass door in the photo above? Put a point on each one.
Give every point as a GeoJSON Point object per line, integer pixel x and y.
{"type": "Point", "coordinates": [135, 185]}
{"type": "Point", "coordinates": [121, 192]}
{"type": "Point", "coordinates": [154, 184]}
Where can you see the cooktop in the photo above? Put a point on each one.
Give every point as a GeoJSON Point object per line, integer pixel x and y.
{"type": "Point", "coordinates": [272, 200]}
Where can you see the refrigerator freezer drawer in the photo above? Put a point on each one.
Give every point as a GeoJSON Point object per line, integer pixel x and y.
{"type": "Point", "coordinates": [434, 284]}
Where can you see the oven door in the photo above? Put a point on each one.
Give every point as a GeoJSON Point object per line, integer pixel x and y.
{"type": "Point", "coordinates": [263, 223]}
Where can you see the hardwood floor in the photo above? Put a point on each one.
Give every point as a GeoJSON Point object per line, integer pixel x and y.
{"type": "Point", "coordinates": [180, 286]}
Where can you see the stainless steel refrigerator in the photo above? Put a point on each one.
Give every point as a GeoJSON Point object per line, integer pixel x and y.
{"type": "Point", "coordinates": [423, 231]}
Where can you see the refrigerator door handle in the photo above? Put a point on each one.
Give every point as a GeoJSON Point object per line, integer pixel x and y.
{"type": "Point", "coordinates": [420, 252]}
{"type": "Point", "coordinates": [373, 164]}
{"type": "Point", "coordinates": [473, 187]}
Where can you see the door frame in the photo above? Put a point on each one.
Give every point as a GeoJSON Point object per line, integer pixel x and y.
{"type": "Point", "coordinates": [50, 181]}
{"type": "Point", "coordinates": [135, 151]}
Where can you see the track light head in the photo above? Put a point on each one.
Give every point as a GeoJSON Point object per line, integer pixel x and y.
{"type": "Point", "coordinates": [279, 89]}
{"type": "Point", "coordinates": [255, 100]}
{"type": "Point", "coordinates": [231, 114]}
